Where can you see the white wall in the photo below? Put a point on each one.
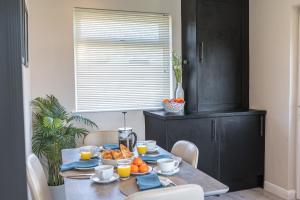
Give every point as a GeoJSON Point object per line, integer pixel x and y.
{"type": "Point", "coordinates": [51, 50]}
{"type": "Point", "coordinates": [273, 81]}
{"type": "Point", "coordinates": [271, 67]}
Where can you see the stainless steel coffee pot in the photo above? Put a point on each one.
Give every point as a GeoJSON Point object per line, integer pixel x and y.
{"type": "Point", "coordinates": [126, 136]}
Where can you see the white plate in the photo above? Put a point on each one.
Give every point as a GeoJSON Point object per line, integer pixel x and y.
{"type": "Point", "coordinates": [158, 171]}
{"type": "Point", "coordinates": [149, 170]}
{"type": "Point", "coordinates": [85, 169]}
{"type": "Point", "coordinates": [94, 178]}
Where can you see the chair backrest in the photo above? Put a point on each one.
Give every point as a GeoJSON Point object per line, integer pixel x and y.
{"type": "Point", "coordinates": [183, 192]}
{"type": "Point", "coordinates": [36, 179]}
{"type": "Point", "coordinates": [101, 137]}
{"type": "Point", "coordinates": [188, 151]}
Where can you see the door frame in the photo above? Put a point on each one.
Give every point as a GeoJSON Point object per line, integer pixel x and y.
{"type": "Point", "coordinates": [295, 98]}
{"type": "Point", "coordinates": [13, 175]}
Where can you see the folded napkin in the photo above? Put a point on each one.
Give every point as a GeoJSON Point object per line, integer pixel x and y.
{"type": "Point", "coordinates": [154, 158]}
{"type": "Point", "coordinates": [79, 164]}
{"type": "Point", "coordinates": [149, 181]}
{"type": "Point", "coordinates": [111, 146]}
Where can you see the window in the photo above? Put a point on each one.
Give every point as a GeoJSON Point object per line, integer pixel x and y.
{"type": "Point", "coordinates": [122, 59]}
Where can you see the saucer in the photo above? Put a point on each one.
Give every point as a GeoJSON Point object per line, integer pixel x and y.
{"type": "Point", "coordinates": [158, 171]}
{"type": "Point", "coordinates": [152, 154]}
{"type": "Point", "coordinates": [84, 168]}
{"type": "Point", "coordinates": [152, 150]}
{"type": "Point", "coordinates": [115, 177]}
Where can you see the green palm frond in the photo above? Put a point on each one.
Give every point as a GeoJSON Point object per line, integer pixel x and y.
{"type": "Point", "coordinates": [177, 67]}
{"type": "Point", "coordinates": [79, 118]}
{"type": "Point", "coordinates": [53, 130]}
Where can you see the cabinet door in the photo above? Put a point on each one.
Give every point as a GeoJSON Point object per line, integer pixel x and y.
{"type": "Point", "coordinates": [155, 130]}
{"type": "Point", "coordinates": [189, 54]}
{"type": "Point", "coordinates": [202, 132]}
{"type": "Point", "coordinates": [220, 53]}
{"type": "Point", "coordinates": [242, 151]}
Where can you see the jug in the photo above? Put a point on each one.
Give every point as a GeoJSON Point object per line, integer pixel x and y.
{"type": "Point", "coordinates": [126, 136]}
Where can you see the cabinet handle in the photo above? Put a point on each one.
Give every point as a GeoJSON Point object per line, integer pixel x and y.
{"type": "Point", "coordinates": [202, 52]}
{"type": "Point", "coordinates": [214, 130]}
{"type": "Point", "coordinates": [261, 126]}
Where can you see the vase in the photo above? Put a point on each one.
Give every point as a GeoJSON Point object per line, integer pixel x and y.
{"type": "Point", "coordinates": [57, 192]}
{"type": "Point", "coordinates": [179, 91]}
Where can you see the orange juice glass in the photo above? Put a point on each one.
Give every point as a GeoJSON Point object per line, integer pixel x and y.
{"type": "Point", "coordinates": [124, 168]}
{"type": "Point", "coordinates": [85, 155]}
{"type": "Point", "coordinates": [142, 148]}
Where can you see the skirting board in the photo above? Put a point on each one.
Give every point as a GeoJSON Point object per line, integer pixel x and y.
{"type": "Point", "coordinates": [279, 191]}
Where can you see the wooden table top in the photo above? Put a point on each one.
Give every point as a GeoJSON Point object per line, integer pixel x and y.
{"type": "Point", "coordinates": [86, 190]}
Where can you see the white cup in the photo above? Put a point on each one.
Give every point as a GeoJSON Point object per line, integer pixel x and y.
{"type": "Point", "coordinates": [104, 172]}
{"type": "Point", "coordinates": [167, 164]}
{"type": "Point", "coordinates": [151, 145]}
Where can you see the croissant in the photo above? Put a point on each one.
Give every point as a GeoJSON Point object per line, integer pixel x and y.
{"type": "Point", "coordinates": [116, 154]}
{"type": "Point", "coordinates": [107, 155]}
{"type": "Point", "coordinates": [126, 153]}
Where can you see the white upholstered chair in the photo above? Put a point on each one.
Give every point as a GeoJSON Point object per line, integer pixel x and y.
{"type": "Point", "coordinates": [182, 192]}
{"type": "Point", "coordinates": [188, 151]}
{"type": "Point", "coordinates": [101, 137]}
{"type": "Point", "coordinates": [36, 179]}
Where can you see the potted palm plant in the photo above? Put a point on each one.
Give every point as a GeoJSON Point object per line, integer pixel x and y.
{"type": "Point", "coordinates": [54, 130]}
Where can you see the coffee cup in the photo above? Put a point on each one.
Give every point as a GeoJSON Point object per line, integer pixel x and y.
{"type": "Point", "coordinates": [167, 164]}
{"type": "Point", "coordinates": [104, 172]}
{"type": "Point", "coordinates": [151, 145]}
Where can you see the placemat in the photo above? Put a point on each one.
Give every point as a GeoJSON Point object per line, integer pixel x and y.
{"type": "Point", "coordinates": [128, 187]}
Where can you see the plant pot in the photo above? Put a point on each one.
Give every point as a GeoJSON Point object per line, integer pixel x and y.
{"type": "Point", "coordinates": [57, 192]}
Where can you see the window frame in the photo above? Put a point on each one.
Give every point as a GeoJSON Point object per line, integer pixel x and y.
{"type": "Point", "coordinates": [171, 76]}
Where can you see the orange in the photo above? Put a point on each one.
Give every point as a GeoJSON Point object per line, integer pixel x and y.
{"type": "Point", "coordinates": [179, 100]}
{"type": "Point", "coordinates": [165, 101]}
{"type": "Point", "coordinates": [134, 168]}
{"type": "Point", "coordinates": [137, 161]}
{"type": "Point", "coordinates": [143, 168]}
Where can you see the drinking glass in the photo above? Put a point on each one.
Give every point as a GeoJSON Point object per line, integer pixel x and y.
{"type": "Point", "coordinates": [142, 148]}
{"type": "Point", "coordinates": [124, 168]}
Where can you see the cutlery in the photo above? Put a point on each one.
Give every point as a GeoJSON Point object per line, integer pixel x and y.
{"type": "Point", "coordinates": [78, 175]}
{"type": "Point", "coordinates": [166, 182]}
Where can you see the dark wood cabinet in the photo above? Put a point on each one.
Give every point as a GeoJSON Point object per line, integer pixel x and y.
{"type": "Point", "coordinates": [231, 144]}
{"type": "Point", "coordinates": [200, 131]}
{"type": "Point", "coordinates": [241, 151]}
{"type": "Point", "coordinates": [215, 54]}
{"type": "Point", "coordinates": [230, 136]}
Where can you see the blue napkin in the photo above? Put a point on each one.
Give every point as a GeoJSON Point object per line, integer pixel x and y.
{"type": "Point", "coordinates": [111, 146]}
{"type": "Point", "coordinates": [154, 158]}
{"type": "Point", "coordinates": [79, 164]}
{"type": "Point", "coordinates": [149, 181]}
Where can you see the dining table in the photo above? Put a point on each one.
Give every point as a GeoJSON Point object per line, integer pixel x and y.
{"type": "Point", "coordinates": [85, 189]}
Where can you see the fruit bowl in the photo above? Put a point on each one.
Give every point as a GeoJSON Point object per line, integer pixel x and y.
{"type": "Point", "coordinates": [174, 105]}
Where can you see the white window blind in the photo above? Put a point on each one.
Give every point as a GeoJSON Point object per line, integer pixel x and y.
{"type": "Point", "coordinates": [122, 59]}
